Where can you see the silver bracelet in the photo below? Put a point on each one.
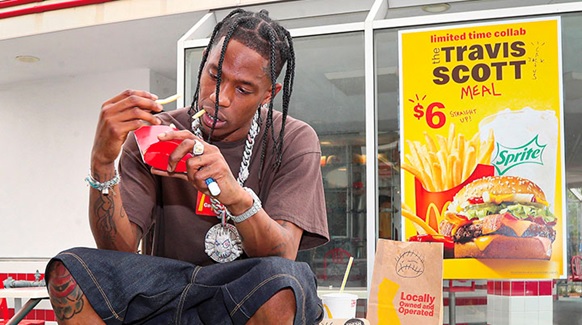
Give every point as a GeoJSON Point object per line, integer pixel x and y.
{"type": "Point", "coordinates": [256, 207]}
{"type": "Point", "coordinates": [105, 186]}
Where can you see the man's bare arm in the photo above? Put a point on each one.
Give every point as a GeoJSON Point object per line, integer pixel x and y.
{"type": "Point", "coordinates": [110, 225]}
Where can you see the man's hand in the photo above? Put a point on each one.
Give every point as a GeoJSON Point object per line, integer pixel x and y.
{"type": "Point", "coordinates": [209, 164]}
{"type": "Point", "coordinates": [120, 115]}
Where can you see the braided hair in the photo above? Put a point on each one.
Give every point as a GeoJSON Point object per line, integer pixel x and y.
{"type": "Point", "coordinates": [274, 43]}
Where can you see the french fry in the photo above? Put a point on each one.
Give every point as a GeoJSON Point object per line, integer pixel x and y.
{"type": "Point", "coordinates": [436, 171]}
{"type": "Point", "coordinates": [168, 99]}
{"type": "Point", "coordinates": [469, 162]}
{"type": "Point", "coordinates": [197, 115]}
{"type": "Point", "coordinates": [419, 153]}
{"type": "Point", "coordinates": [442, 161]}
{"type": "Point", "coordinates": [442, 143]}
{"type": "Point", "coordinates": [413, 157]}
{"type": "Point", "coordinates": [414, 171]}
{"type": "Point", "coordinates": [451, 137]}
{"type": "Point", "coordinates": [431, 145]}
{"type": "Point", "coordinates": [457, 174]}
{"type": "Point", "coordinates": [429, 179]}
{"type": "Point", "coordinates": [475, 142]}
{"type": "Point", "coordinates": [488, 146]}
{"type": "Point", "coordinates": [409, 159]}
{"type": "Point", "coordinates": [450, 180]}
{"type": "Point", "coordinates": [461, 148]}
{"type": "Point", "coordinates": [418, 221]}
{"type": "Point", "coordinates": [426, 166]}
{"type": "Point", "coordinates": [414, 164]}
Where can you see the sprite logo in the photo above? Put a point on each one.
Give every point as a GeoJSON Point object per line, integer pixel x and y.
{"type": "Point", "coordinates": [507, 158]}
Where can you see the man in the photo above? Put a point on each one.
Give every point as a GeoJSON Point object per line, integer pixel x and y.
{"type": "Point", "coordinates": [273, 207]}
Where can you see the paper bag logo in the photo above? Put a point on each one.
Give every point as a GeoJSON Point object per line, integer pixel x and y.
{"type": "Point", "coordinates": [507, 158]}
{"type": "Point", "coordinates": [409, 265]}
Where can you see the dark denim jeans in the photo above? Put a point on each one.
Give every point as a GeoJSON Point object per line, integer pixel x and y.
{"type": "Point", "coordinates": [126, 288]}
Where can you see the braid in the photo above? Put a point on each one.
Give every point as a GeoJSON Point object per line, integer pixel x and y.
{"type": "Point", "coordinates": [287, 90]}
{"type": "Point", "coordinates": [193, 109]}
{"type": "Point", "coordinates": [269, 122]}
{"type": "Point", "coordinates": [273, 42]}
{"type": "Point", "coordinates": [227, 38]}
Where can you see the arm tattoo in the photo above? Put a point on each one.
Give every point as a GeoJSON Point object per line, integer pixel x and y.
{"type": "Point", "coordinates": [104, 210]}
{"type": "Point", "coordinates": [279, 249]}
{"type": "Point", "coordinates": [65, 295]}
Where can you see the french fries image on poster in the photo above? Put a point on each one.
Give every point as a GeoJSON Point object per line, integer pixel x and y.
{"type": "Point", "coordinates": [441, 163]}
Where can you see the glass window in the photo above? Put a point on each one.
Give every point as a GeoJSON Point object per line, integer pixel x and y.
{"type": "Point", "coordinates": [386, 74]}
{"type": "Point", "coordinates": [572, 68]}
{"type": "Point", "coordinates": [329, 95]}
{"type": "Point", "coordinates": [193, 57]}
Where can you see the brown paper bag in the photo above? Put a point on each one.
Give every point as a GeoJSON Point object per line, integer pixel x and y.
{"type": "Point", "coordinates": [407, 284]}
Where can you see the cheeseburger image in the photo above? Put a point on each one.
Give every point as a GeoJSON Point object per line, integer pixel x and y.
{"type": "Point", "coordinates": [500, 217]}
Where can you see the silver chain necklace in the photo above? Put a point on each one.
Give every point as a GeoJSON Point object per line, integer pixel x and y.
{"type": "Point", "coordinates": [223, 242]}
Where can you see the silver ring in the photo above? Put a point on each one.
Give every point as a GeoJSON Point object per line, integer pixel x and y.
{"type": "Point", "coordinates": [198, 148]}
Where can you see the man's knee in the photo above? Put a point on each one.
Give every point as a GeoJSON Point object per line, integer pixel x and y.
{"type": "Point", "coordinates": [59, 280]}
{"type": "Point", "coordinates": [279, 309]}
{"type": "Point", "coordinates": [66, 296]}
{"type": "Point", "coordinates": [283, 300]}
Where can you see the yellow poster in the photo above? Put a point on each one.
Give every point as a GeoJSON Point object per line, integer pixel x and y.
{"type": "Point", "coordinates": [482, 147]}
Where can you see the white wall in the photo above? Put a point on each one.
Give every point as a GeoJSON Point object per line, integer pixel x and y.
{"type": "Point", "coordinates": [46, 134]}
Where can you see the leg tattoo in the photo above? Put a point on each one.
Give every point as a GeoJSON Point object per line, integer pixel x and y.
{"type": "Point", "coordinates": [65, 295]}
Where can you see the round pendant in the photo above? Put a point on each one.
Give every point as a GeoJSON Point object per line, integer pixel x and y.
{"type": "Point", "coordinates": [222, 243]}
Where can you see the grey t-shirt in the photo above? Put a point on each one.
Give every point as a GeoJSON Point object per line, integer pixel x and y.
{"type": "Point", "coordinates": [294, 193]}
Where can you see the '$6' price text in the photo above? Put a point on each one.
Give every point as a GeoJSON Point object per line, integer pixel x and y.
{"type": "Point", "coordinates": [433, 114]}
